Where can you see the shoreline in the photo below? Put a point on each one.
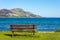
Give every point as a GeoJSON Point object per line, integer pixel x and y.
{"type": "Point", "coordinates": [46, 32]}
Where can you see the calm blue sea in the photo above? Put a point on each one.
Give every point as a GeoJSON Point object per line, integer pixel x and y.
{"type": "Point", "coordinates": [43, 24]}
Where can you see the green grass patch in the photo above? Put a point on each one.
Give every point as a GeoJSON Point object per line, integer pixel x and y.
{"type": "Point", "coordinates": [28, 36]}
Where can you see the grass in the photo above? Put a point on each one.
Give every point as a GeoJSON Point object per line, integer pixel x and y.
{"type": "Point", "coordinates": [38, 36]}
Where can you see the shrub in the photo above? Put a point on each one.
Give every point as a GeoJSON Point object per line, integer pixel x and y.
{"type": "Point", "coordinates": [57, 30]}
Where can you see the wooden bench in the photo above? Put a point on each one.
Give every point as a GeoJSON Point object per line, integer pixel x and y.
{"type": "Point", "coordinates": [23, 27]}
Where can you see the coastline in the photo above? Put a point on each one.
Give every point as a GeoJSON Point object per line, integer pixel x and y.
{"type": "Point", "coordinates": [46, 32]}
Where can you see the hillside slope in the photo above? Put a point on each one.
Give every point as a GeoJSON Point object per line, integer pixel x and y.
{"type": "Point", "coordinates": [17, 12]}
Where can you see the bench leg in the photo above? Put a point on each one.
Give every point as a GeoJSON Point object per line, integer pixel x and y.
{"type": "Point", "coordinates": [12, 33]}
{"type": "Point", "coordinates": [33, 32]}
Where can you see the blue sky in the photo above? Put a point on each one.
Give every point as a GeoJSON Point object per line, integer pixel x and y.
{"type": "Point", "coordinates": [45, 8]}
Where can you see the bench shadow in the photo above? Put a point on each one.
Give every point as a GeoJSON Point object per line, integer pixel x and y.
{"type": "Point", "coordinates": [10, 35]}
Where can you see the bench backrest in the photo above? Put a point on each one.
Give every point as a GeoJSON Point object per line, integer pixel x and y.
{"type": "Point", "coordinates": [18, 27]}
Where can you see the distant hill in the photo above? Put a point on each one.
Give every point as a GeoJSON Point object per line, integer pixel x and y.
{"type": "Point", "coordinates": [18, 13]}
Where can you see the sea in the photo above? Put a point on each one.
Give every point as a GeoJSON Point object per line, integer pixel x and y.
{"type": "Point", "coordinates": [42, 24]}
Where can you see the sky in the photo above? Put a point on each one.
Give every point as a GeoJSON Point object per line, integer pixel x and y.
{"type": "Point", "coordinates": [44, 8]}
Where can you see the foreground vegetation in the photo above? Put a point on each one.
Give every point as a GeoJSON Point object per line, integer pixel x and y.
{"type": "Point", "coordinates": [37, 36]}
